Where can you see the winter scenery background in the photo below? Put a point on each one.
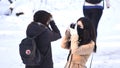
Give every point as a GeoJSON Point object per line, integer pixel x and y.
{"type": "Point", "coordinates": [12, 31]}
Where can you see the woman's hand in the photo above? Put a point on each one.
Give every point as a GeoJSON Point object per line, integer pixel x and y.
{"type": "Point", "coordinates": [67, 32]}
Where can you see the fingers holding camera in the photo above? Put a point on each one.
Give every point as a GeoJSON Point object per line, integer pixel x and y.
{"type": "Point", "coordinates": [67, 33]}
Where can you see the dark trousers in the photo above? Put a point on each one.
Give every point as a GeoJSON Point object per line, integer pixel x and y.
{"type": "Point", "coordinates": [94, 14]}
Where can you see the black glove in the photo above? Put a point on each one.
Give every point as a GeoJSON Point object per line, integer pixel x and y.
{"type": "Point", "coordinates": [53, 26]}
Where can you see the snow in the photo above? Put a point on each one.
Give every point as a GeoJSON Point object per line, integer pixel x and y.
{"type": "Point", "coordinates": [12, 30]}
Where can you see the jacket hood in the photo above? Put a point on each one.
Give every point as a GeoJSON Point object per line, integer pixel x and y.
{"type": "Point", "coordinates": [35, 29]}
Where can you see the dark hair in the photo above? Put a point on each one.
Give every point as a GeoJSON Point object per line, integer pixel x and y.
{"type": "Point", "coordinates": [88, 32]}
{"type": "Point", "coordinates": [42, 17]}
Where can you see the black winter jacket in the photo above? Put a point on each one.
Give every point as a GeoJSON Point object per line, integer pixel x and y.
{"type": "Point", "coordinates": [43, 41]}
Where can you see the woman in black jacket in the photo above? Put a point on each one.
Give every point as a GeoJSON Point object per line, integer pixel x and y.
{"type": "Point", "coordinates": [40, 25]}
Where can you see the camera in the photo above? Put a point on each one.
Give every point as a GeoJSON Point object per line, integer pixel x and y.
{"type": "Point", "coordinates": [72, 25]}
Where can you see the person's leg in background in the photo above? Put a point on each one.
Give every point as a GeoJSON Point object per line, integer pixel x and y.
{"type": "Point", "coordinates": [94, 15]}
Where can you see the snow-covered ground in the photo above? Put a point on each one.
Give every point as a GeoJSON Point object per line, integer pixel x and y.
{"type": "Point", "coordinates": [12, 30]}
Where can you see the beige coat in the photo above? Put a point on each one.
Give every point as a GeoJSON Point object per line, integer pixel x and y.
{"type": "Point", "coordinates": [79, 55]}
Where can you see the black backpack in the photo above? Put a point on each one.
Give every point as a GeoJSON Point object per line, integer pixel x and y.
{"type": "Point", "coordinates": [93, 1]}
{"type": "Point", "coordinates": [29, 53]}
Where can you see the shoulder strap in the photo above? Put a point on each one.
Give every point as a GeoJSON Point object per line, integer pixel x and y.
{"type": "Point", "coordinates": [91, 61]}
{"type": "Point", "coordinates": [70, 60]}
{"type": "Point", "coordinates": [68, 55]}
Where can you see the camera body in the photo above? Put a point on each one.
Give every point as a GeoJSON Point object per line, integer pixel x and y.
{"type": "Point", "coordinates": [72, 25]}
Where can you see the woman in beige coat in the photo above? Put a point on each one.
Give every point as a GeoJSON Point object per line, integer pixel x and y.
{"type": "Point", "coordinates": [79, 39]}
